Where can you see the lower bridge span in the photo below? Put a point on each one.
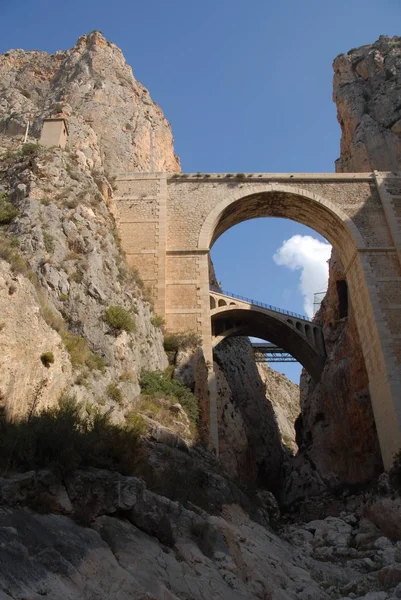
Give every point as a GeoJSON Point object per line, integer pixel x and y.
{"type": "Point", "coordinates": [290, 333]}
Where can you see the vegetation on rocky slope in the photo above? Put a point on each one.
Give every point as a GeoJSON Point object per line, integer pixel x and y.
{"type": "Point", "coordinates": [66, 437]}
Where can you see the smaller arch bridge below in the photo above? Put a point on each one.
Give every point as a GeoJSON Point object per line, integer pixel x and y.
{"type": "Point", "coordinates": [266, 352]}
{"type": "Point", "coordinates": [234, 315]}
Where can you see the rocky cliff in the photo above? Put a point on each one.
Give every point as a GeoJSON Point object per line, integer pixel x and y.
{"type": "Point", "coordinates": [284, 396]}
{"type": "Point", "coordinates": [257, 409]}
{"type": "Point", "coordinates": [162, 519]}
{"type": "Point", "coordinates": [65, 289]}
{"type": "Point", "coordinates": [114, 124]}
{"type": "Point", "coordinates": [366, 90]}
{"type": "Point", "coordinates": [249, 437]}
{"type": "Point", "coordinates": [336, 431]}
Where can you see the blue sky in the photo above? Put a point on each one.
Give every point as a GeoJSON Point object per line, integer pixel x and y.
{"type": "Point", "coordinates": [246, 85]}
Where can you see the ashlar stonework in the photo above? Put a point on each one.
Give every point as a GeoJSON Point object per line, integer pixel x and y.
{"type": "Point", "coordinates": [168, 224]}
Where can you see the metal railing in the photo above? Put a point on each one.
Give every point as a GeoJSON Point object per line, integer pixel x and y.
{"type": "Point", "coordinates": [261, 304]}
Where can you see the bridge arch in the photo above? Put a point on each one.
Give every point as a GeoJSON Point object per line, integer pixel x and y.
{"type": "Point", "coordinates": [168, 223]}
{"type": "Point", "coordinates": [234, 320]}
{"type": "Point", "coordinates": [328, 219]}
{"type": "Point", "coordinates": [286, 202]}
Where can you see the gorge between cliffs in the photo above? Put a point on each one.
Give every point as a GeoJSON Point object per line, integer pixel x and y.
{"type": "Point", "coordinates": [109, 486]}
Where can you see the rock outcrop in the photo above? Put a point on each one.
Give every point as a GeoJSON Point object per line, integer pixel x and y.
{"type": "Point", "coordinates": [113, 122]}
{"type": "Point", "coordinates": [257, 408]}
{"type": "Point", "coordinates": [367, 88]}
{"type": "Point", "coordinates": [249, 437]}
{"type": "Point", "coordinates": [336, 431]}
{"type": "Point", "coordinates": [58, 231]}
{"type": "Point", "coordinates": [284, 396]}
{"type": "Point", "coordinates": [63, 239]}
{"type": "Point", "coordinates": [99, 534]}
{"type": "Point", "coordinates": [25, 337]}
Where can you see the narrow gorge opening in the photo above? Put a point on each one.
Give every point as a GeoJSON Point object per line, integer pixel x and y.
{"type": "Point", "coordinates": [278, 266]}
{"type": "Point", "coordinates": [282, 264]}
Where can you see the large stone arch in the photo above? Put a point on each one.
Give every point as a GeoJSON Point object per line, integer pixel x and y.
{"type": "Point", "coordinates": [342, 232]}
{"type": "Point", "coordinates": [168, 224]}
{"type": "Point", "coordinates": [294, 203]}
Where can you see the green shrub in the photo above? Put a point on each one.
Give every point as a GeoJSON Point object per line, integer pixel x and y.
{"type": "Point", "coordinates": [95, 362]}
{"type": "Point", "coordinates": [76, 346]}
{"type": "Point", "coordinates": [179, 341]}
{"type": "Point", "coordinates": [150, 406]}
{"type": "Point", "coordinates": [119, 319]}
{"type": "Point", "coordinates": [157, 385]}
{"type": "Point", "coordinates": [48, 242]}
{"type": "Point", "coordinates": [114, 393]}
{"type": "Point", "coordinates": [157, 321]}
{"type": "Point", "coordinates": [47, 359]}
{"type": "Point", "coordinates": [31, 150]}
{"type": "Point", "coordinates": [62, 439]}
{"type": "Point", "coordinates": [9, 253]}
{"type": "Point", "coordinates": [79, 351]}
{"type": "Point", "coordinates": [136, 422]}
{"type": "Point", "coordinates": [7, 210]}
{"type": "Point", "coordinates": [9, 155]}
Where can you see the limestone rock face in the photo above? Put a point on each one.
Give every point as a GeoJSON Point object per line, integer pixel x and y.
{"type": "Point", "coordinates": [63, 236]}
{"type": "Point", "coordinates": [101, 535]}
{"type": "Point", "coordinates": [284, 397]}
{"type": "Point", "coordinates": [367, 88]}
{"type": "Point", "coordinates": [336, 431]}
{"type": "Point", "coordinates": [114, 124]}
{"type": "Point", "coordinates": [250, 446]}
{"type": "Point", "coordinates": [249, 436]}
{"type": "Point", "coordinates": [24, 338]}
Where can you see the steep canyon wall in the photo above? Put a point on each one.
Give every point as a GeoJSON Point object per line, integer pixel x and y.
{"type": "Point", "coordinates": [63, 268]}
{"type": "Point", "coordinates": [336, 432]}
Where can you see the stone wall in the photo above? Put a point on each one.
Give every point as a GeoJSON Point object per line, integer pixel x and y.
{"type": "Point", "coordinates": [357, 213]}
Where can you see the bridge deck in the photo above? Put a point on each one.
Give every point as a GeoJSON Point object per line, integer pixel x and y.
{"type": "Point", "coordinates": [270, 307]}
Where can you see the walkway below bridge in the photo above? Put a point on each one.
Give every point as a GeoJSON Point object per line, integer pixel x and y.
{"type": "Point", "coordinates": [266, 352]}
{"type": "Point", "coordinates": [292, 335]}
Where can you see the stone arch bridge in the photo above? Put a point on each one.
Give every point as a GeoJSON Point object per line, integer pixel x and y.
{"type": "Point", "coordinates": [232, 315]}
{"type": "Point", "coordinates": [168, 224]}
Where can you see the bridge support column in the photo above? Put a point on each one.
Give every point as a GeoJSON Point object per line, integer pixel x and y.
{"type": "Point", "coordinates": [380, 342]}
{"type": "Point", "coordinates": [207, 345]}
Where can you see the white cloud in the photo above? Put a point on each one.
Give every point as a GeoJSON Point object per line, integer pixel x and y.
{"type": "Point", "coordinates": [310, 256]}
